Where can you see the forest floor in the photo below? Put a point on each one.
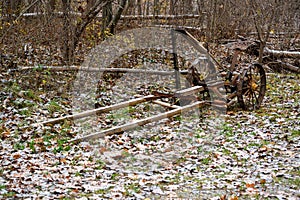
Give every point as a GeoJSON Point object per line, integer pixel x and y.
{"type": "Point", "coordinates": [245, 155]}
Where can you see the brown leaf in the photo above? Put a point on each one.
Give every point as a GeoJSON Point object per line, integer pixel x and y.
{"type": "Point", "coordinates": [250, 185]}
{"type": "Point", "coordinates": [5, 135]}
{"type": "Point", "coordinates": [63, 160]}
{"type": "Point", "coordinates": [263, 149]}
{"type": "Point", "coordinates": [102, 150]}
{"type": "Point", "coordinates": [233, 198]}
{"type": "Point", "coordinates": [16, 156]}
{"type": "Point", "coordinates": [262, 181]}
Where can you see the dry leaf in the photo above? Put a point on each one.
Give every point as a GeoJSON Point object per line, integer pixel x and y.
{"type": "Point", "coordinates": [262, 181]}
{"type": "Point", "coordinates": [233, 198]}
{"type": "Point", "coordinates": [250, 185]}
{"type": "Point", "coordinates": [16, 156]}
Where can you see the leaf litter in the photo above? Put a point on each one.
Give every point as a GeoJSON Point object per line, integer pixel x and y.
{"type": "Point", "coordinates": [250, 155]}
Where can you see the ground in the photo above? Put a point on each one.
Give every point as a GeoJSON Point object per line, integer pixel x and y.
{"type": "Point", "coordinates": [246, 155]}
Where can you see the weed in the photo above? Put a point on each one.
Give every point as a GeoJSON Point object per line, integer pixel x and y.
{"type": "Point", "coordinates": [53, 106]}
{"type": "Point", "coordinates": [104, 191]}
{"type": "Point", "coordinates": [19, 146]}
{"type": "Point", "coordinates": [228, 131]}
{"type": "Point", "coordinates": [206, 161]}
{"type": "Point", "coordinates": [295, 133]}
{"type": "Point", "coordinates": [134, 187]}
{"type": "Point", "coordinates": [25, 112]}
{"type": "Point", "coordinates": [226, 152]}
{"type": "Point", "coordinates": [114, 176]}
{"type": "Point", "coordinates": [199, 149]}
{"type": "Point", "coordinates": [30, 94]}
{"type": "Point", "coordinates": [9, 194]}
{"type": "Point", "coordinates": [78, 174]}
{"type": "Point", "coordinates": [180, 160]}
{"type": "Point", "coordinates": [60, 146]}
{"type": "Point", "coordinates": [100, 164]}
{"type": "Point", "coordinates": [32, 146]}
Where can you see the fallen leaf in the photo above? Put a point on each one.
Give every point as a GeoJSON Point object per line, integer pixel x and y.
{"type": "Point", "coordinates": [250, 185]}
{"type": "Point", "coordinates": [16, 156]}
{"type": "Point", "coordinates": [262, 181]}
{"type": "Point", "coordinates": [233, 198]}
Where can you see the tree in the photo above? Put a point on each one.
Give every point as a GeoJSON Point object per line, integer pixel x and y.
{"type": "Point", "coordinates": [263, 14]}
{"type": "Point", "coordinates": [74, 30]}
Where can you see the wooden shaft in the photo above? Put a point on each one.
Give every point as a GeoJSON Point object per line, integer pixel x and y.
{"type": "Point", "coordinates": [100, 110]}
{"type": "Point", "coordinates": [141, 122]}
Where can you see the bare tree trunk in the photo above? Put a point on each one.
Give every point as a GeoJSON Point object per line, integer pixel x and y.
{"type": "Point", "coordinates": [211, 20]}
{"type": "Point", "coordinates": [148, 8]}
{"type": "Point", "coordinates": [140, 8]}
{"type": "Point", "coordinates": [187, 7]}
{"type": "Point", "coordinates": [130, 10]}
{"type": "Point", "coordinates": [51, 6]}
{"type": "Point", "coordinates": [106, 19]}
{"type": "Point", "coordinates": [261, 18]}
{"type": "Point", "coordinates": [117, 16]}
{"type": "Point", "coordinates": [156, 8]}
{"type": "Point", "coordinates": [12, 7]}
{"type": "Point", "coordinates": [68, 47]}
{"type": "Point", "coordinates": [172, 7]}
{"type": "Point", "coordinates": [90, 4]}
{"type": "Point", "coordinates": [87, 18]}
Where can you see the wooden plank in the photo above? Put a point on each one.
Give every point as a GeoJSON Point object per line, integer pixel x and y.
{"type": "Point", "coordinates": [94, 69]}
{"type": "Point", "coordinates": [189, 91]}
{"type": "Point", "coordinates": [137, 123]}
{"type": "Point", "coordinates": [124, 17]}
{"type": "Point", "coordinates": [53, 68]}
{"type": "Point", "coordinates": [165, 104]}
{"type": "Point", "coordinates": [105, 109]}
{"type": "Point", "coordinates": [165, 17]}
{"type": "Point", "coordinates": [282, 54]}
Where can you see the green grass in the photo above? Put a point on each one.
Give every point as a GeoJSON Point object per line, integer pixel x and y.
{"type": "Point", "coordinates": [53, 106]}
{"type": "Point", "coordinates": [19, 146]}
{"type": "Point", "coordinates": [133, 187]}
{"type": "Point", "coordinates": [206, 161]}
{"type": "Point", "coordinates": [115, 176]}
{"type": "Point", "coordinates": [227, 130]}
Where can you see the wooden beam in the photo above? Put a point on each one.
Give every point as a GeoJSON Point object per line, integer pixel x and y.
{"type": "Point", "coordinates": [94, 69]}
{"type": "Point", "coordinates": [189, 91]}
{"type": "Point", "coordinates": [282, 54]}
{"type": "Point", "coordinates": [165, 104]}
{"type": "Point", "coordinates": [105, 109]}
{"type": "Point", "coordinates": [124, 17]}
{"type": "Point", "coordinates": [141, 122]}
{"type": "Point", "coordinates": [288, 66]}
{"type": "Point", "coordinates": [165, 17]}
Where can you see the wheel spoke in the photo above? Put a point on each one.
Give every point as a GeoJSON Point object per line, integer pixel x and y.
{"type": "Point", "coordinates": [254, 86]}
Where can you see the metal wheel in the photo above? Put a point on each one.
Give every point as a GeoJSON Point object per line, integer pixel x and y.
{"type": "Point", "coordinates": [252, 87]}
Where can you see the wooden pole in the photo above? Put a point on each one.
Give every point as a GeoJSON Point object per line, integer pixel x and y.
{"type": "Point", "coordinates": [141, 122]}
{"type": "Point", "coordinates": [99, 110]}
{"type": "Point", "coordinates": [94, 69]}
